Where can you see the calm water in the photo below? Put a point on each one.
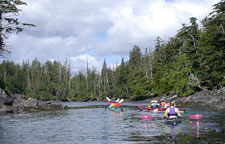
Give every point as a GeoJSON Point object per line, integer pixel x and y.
{"type": "Point", "coordinates": [98, 125]}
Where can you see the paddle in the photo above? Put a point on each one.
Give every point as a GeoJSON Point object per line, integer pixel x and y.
{"type": "Point", "coordinates": [196, 116]}
{"type": "Point", "coordinates": [146, 117]}
{"type": "Point", "coordinates": [108, 99]}
{"type": "Point", "coordinates": [117, 100]}
{"type": "Point", "coordinates": [120, 101]}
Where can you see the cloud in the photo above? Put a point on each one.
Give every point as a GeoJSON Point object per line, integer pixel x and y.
{"type": "Point", "coordinates": [158, 18]}
{"type": "Point", "coordinates": [82, 61]}
{"type": "Point", "coordinates": [99, 29]}
{"type": "Point", "coordinates": [44, 48]}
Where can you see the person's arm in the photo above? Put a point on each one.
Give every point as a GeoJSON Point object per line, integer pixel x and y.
{"type": "Point", "coordinates": [166, 113]}
{"type": "Point", "coordinates": [178, 112]}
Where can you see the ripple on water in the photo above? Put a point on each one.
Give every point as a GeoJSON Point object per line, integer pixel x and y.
{"type": "Point", "coordinates": [99, 125]}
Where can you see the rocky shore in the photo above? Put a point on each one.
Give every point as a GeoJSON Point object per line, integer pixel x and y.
{"type": "Point", "coordinates": [214, 100]}
{"type": "Point", "coordinates": [17, 103]}
{"type": "Point", "coordinates": [211, 100]}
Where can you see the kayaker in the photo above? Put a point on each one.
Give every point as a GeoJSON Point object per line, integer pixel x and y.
{"type": "Point", "coordinates": [154, 104]}
{"type": "Point", "coordinates": [163, 103]}
{"type": "Point", "coordinates": [117, 105]}
{"type": "Point", "coordinates": [109, 103]}
{"type": "Point", "coordinates": [172, 111]}
{"type": "Point", "coordinates": [167, 105]}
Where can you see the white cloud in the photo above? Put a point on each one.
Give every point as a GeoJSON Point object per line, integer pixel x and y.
{"type": "Point", "coordinates": [100, 29]}
{"type": "Point", "coordinates": [81, 62]}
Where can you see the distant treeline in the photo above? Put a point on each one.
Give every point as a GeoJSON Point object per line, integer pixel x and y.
{"type": "Point", "coordinates": [192, 60]}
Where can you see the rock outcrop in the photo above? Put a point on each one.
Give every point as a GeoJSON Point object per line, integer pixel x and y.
{"type": "Point", "coordinates": [210, 99]}
{"type": "Point", "coordinates": [17, 103]}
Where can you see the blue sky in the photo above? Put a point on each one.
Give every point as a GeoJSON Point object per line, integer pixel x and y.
{"type": "Point", "coordinates": [77, 30]}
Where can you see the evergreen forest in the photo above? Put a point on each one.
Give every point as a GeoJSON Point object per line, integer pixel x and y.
{"type": "Point", "coordinates": [191, 61]}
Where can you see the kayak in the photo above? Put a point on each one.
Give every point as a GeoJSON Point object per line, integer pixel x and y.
{"type": "Point", "coordinates": [114, 105]}
{"type": "Point", "coordinates": [156, 109]}
{"type": "Point", "coordinates": [173, 121]}
{"type": "Point", "coordinates": [115, 108]}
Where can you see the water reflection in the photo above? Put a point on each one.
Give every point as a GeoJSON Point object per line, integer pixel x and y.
{"type": "Point", "coordinates": [195, 127]}
{"type": "Point", "coordinates": [172, 130]}
{"type": "Point", "coordinates": [146, 124]}
{"type": "Point", "coordinates": [117, 113]}
{"type": "Point", "coordinates": [99, 125]}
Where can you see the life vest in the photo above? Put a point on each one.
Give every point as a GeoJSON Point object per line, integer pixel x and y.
{"type": "Point", "coordinates": [113, 105]}
{"type": "Point", "coordinates": [154, 105]}
{"type": "Point", "coordinates": [172, 111]}
{"type": "Point", "coordinates": [117, 105]}
{"type": "Point", "coordinates": [163, 104]}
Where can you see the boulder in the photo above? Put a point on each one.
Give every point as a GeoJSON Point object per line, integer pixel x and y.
{"type": "Point", "coordinates": [16, 103]}
{"type": "Point", "coordinates": [18, 106]}
{"type": "Point", "coordinates": [47, 105]}
{"type": "Point", "coordinates": [30, 105]}
{"type": "Point", "coordinates": [31, 102]}
{"type": "Point", "coordinates": [222, 98]}
{"type": "Point", "coordinates": [209, 99]}
{"type": "Point", "coordinates": [220, 106]}
{"type": "Point", "coordinates": [6, 99]}
{"type": "Point", "coordinates": [5, 109]}
{"type": "Point", "coordinates": [181, 101]}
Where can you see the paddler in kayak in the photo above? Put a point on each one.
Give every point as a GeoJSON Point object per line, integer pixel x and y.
{"type": "Point", "coordinates": [172, 111]}
{"type": "Point", "coordinates": [154, 104]}
{"type": "Point", "coordinates": [167, 105]}
{"type": "Point", "coordinates": [163, 103]}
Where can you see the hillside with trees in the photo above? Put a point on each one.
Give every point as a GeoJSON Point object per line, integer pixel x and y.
{"type": "Point", "coordinates": [191, 61]}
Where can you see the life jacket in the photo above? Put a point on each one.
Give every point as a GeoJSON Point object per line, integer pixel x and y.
{"type": "Point", "coordinates": [172, 111]}
{"type": "Point", "coordinates": [117, 105]}
{"type": "Point", "coordinates": [163, 104]}
{"type": "Point", "coordinates": [154, 105]}
{"type": "Point", "coordinates": [113, 105]}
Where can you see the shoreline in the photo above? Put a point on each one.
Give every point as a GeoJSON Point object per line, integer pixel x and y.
{"type": "Point", "coordinates": [16, 103]}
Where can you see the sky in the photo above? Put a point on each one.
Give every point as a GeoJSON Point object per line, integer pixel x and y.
{"type": "Point", "coordinates": [78, 31]}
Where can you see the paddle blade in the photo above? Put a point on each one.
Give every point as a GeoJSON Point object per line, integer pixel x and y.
{"type": "Point", "coordinates": [108, 99]}
{"type": "Point", "coordinates": [121, 101]}
{"type": "Point", "coordinates": [117, 100]}
{"type": "Point", "coordinates": [196, 116]}
{"type": "Point", "coordinates": [146, 117]}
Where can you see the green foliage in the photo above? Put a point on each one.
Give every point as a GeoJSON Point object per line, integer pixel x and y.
{"type": "Point", "coordinates": [9, 22]}
{"type": "Point", "coordinates": [179, 74]}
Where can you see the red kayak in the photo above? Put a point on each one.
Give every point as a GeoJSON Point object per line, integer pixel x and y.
{"type": "Point", "coordinates": [156, 109]}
